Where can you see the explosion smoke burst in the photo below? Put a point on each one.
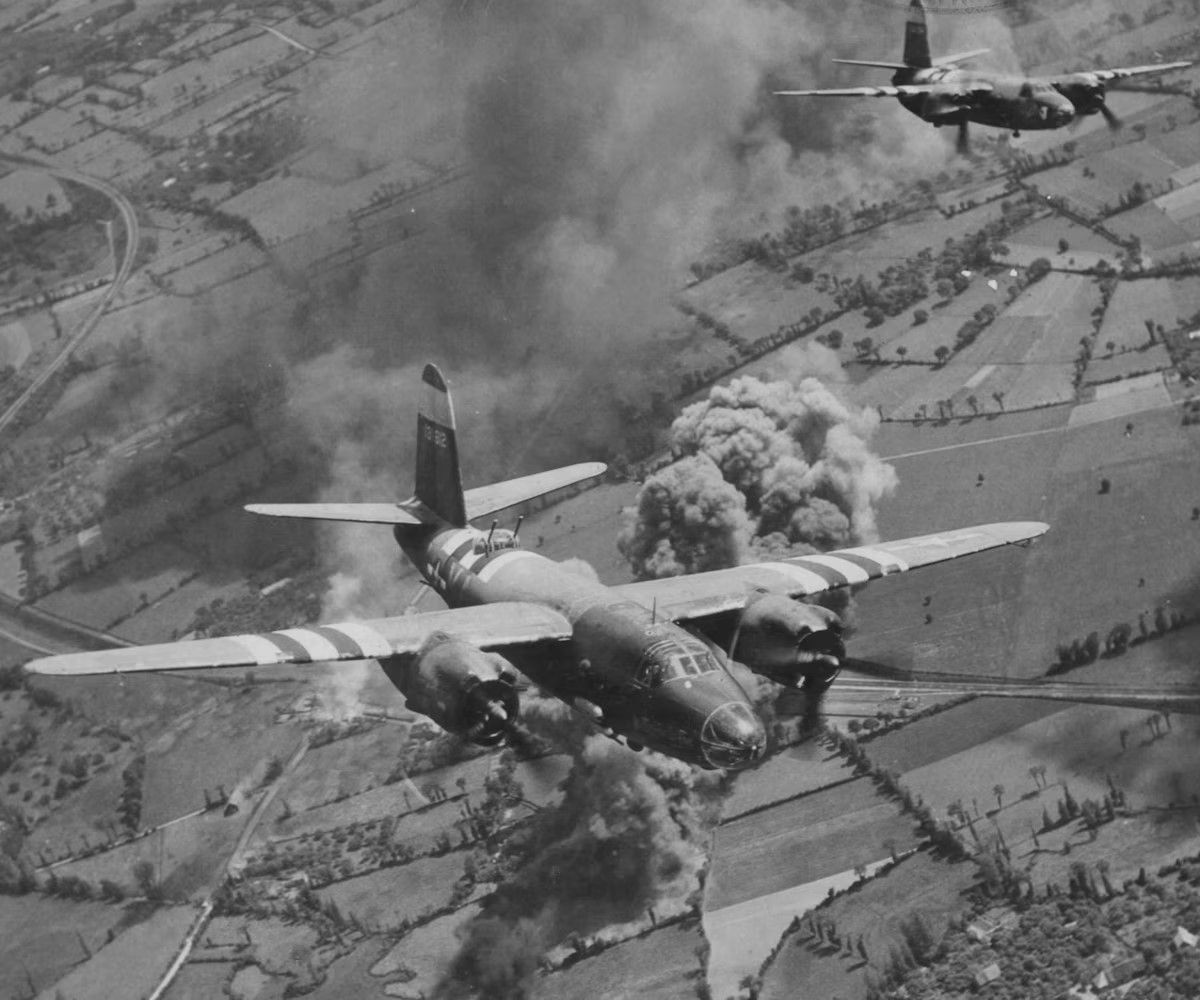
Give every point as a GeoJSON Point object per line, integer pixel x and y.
{"type": "Point", "coordinates": [768, 467]}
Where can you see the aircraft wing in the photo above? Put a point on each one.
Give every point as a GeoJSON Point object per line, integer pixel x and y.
{"type": "Point", "coordinates": [490, 627]}
{"type": "Point", "coordinates": [1121, 74]}
{"type": "Point", "coordinates": [686, 598]}
{"type": "Point", "coordinates": [903, 90]}
{"type": "Point", "coordinates": [486, 500]}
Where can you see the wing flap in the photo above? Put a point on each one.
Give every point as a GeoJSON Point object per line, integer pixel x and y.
{"type": "Point", "coordinates": [686, 598]}
{"type": "Point", "coordinates": [484, 500]}
{"type": "Point", "coordinates": [490, 627]}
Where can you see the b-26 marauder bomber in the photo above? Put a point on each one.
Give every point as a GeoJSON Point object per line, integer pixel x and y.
{"type": "Point", "coordinates": [646, 662]}
{"type": "Point", "coordinates": [940, 92]}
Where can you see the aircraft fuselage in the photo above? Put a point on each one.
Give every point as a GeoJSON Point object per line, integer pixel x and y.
{"type": "Point", "coordinates": [1013, 102]}
{"type": "Point", "coordinates": [629, 670]}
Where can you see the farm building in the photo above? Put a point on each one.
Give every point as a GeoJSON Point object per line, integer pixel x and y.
{"type": "Point", "coordinates": [1183, 938]}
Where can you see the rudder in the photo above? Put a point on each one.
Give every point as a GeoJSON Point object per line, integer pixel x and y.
{"type": "Point", "coordinates": [916, 37]}
{"type": "Point", "coordinates": [439, 478]}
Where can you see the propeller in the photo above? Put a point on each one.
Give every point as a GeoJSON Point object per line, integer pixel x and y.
{"type": "Point", "coordinates": [1110, 116]}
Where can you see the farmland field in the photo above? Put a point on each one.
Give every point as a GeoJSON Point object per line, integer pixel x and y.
{"type": "Point", "coordinates": [656, 966]}
{"type": "Point", "coordinates": [797, 769]}
{"type": "Point", "coordinates": [1133, 304]}
{"type": "Point", "coordinates": [386, 897]}
{"type": "Point", "coordinates": [801, 841]}
{"type": "Point", "coordinates": [47, 937]}
{"type": "Point", "coordinates": [427, 951]}
{"type": "Point", "coordinates": [1150, 224]}
{"type": "Point", "coordinates": [133, 964]}
{"type": "Point", "coordinates": [1128, 364]}
{"type": "Point", "coordinates": [919, 884]}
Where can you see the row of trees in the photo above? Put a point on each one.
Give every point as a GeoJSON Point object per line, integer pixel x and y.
{"type": "Point", "coordinates": [1080, 652]}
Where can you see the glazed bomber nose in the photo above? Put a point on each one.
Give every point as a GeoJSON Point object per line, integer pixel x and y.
{"type": "Point", "coordinates": [733, 736]}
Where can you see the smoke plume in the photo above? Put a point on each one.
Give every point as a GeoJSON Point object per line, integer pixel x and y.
{"type": "Point", "coordinates": [768, 468]}
{"type": "Point", "coordinates": [627, 835]}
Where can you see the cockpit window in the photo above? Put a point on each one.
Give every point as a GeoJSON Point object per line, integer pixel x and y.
{"type": "Point", "coordinates": [673, 662]}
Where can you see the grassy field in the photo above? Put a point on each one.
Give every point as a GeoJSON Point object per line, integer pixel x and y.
{"type": "Point", "coordinates": [658, 966]}
{"type": "Point", "coordinates": [1048, 230]}
{"type": "Point", "coordinates": [385, 800]}
{"type": "Point", "coordinates": [797, 769]}
{"type": "Point", "coordinates": [1133, 303]}
{"type": "Point", "coordinates": [1150, 224]}
{"type": "Point", "coordinates": [801, 841]}
{"type": "Point", "coordinates": [390, 895]}
{"type": "Point", "coordinates": [133, 964]}
{"type": "Point", "coordinates": [427, 951]}
{"type": "Point", "coordinates": [1130, 363]}
{"type": "Point", "coordinates": [43, 938]}
{"type": "Point", "coordinates": [188, 856]}
{"type": "Point", "coordinates": [200, 981]}
{"type": "Point", "coordinates": [874, 911]}
{"type": "Point", "coordinates": [229, 741]}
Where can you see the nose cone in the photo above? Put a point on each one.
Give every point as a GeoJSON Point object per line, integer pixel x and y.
{"type": "Point", "coordinates": [733, 736]}
{"type": "Point", "coordinates": [1062, 112]}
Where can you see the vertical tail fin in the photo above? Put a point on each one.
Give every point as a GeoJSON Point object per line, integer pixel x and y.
{"type": "Point", "coordinates": [439, 479]}
{"type": "Point", "coordinates": [916, 37]}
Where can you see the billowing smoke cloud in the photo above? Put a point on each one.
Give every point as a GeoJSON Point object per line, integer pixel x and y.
{"type": "Point", "coordinates": [628, 835]}
{"type": "Point", "coordinates": [767, 468]}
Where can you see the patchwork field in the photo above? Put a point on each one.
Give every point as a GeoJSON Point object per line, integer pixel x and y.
{"type": "Point", "coordinates": [386, 897]}
{"type": "Point", "coordinates": [803, 840]}
{"type": "Point", "coordinates": [660, 966]}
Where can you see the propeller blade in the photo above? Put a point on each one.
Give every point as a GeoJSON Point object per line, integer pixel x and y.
{"type": "Point", "coordinates": [1110, 116]}
{"type": "Point", "coordinates": [962, 143]}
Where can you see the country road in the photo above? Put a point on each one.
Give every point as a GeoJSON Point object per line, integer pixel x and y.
{"type": "Point", "coordinates": [120, 276]}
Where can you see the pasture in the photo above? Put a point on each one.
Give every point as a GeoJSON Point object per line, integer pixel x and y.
{"type": "Point", "coordinates": [426, 951]}
{"type": "Point", "coordinates": [873, 911]}
{"type": "Point", "coordinates": [132, 964]}
{"type": "Point", "coordinates": [385, 898]}
{"type": "Point", "coordinates": [41, 938]}
{"type": "Point", "coordinates": [655, 966]}
{"type": "Point", "coordinates": [801, 841]}
{"type": "Point", "coordinates": [793, 771]}
{"type": "Point", "coordinates": [1161, 301]}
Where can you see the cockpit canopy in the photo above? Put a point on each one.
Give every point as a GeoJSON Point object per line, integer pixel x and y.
{"type": "Point", "coordinates": [675, 659]}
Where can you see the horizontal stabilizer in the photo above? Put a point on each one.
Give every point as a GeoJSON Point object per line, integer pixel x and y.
{"type": "Point", "coordinates": [958, 57]}
{"type": "Point", "coordinates": [878, 64]}
{"type": "Point", "coordinates": [485, 500]}
{"type": "Point", "coordinates": [363, 513]}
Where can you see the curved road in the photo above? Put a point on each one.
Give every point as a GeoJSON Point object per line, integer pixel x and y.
{"type": "Point", "coordinates": [120, 276]}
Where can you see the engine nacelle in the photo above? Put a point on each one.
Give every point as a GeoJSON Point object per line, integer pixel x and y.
{"type": "Point", "coordinates": [796, 644]}
{"type": "Point", "coordinates": [459, 686]}
{"type": "Point", "coordinates": [1083, 90]}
